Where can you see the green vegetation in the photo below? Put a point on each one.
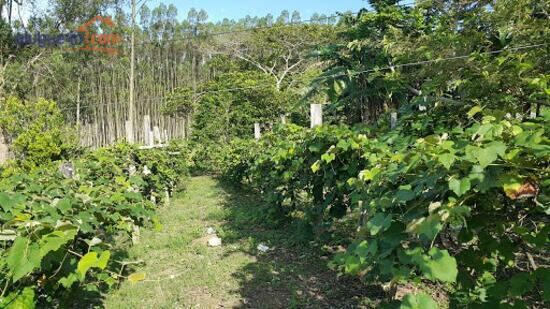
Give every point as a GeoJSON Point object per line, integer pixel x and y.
{"type": "Point", "coordinates": [451, 201]}
{"type": "Point", "coordinates": [181, 271]}
{"type": "Point", "coordinates": [59, 221]}
{"type": "Point", "coordinates": [223, 115]}
{"type": "Point", "coordinates": [427, 185]}
{"type": "Point", "coordinates": [36, 131]}
{"type": "Point", "coordinates": [466, 191]}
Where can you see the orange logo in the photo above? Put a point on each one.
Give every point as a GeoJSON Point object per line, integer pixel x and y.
{"type": "Point", "coordinates": [105, 42]}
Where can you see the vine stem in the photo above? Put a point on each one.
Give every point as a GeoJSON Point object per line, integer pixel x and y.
{"type": "Point", "coordinates": [5, 287]}
{"type": "Point", "coordinates": [75, 253]}
{"type": "Point", "coordinates": [60, 266]}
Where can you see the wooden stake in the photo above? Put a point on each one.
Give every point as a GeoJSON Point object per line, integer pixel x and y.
{"type": "Point", "coordinates": [78, 103]}
{"type": "Point", "coordinates": [4, 150]}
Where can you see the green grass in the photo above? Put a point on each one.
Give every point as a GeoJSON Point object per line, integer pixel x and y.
{"type": "Point", "coordinates": [182, 272]}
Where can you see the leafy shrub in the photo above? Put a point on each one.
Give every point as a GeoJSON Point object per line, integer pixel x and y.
{"type": "Point", "coordinates": [36, 131]}
{"type": "Point", "coordinates": [220, 115]}
{"type": "Point", "coordinates": [58, 231]}
{"type": "Point", "coordinates": [460, 205]}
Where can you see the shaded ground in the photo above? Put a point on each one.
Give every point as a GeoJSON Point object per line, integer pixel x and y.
{"type": "Point", "coordinates": [182, 272]}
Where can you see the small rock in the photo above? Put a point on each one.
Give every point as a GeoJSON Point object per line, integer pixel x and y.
{"type": "Point", "coordinates": [210, 231]}
{"type": "Point", "coordinates": [262, 248]}
{"type": "Point", "coordinates": [146, 171]}
{"type": "Point", "coordinates": [214, 241]}
{"type": "Point", "coordinates": [67, 169]}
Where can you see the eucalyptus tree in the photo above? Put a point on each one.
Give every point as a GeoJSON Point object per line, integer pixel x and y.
{"type": "Point", "coordinates": [284, 18]}
{"type": "Point", "coordinates": [296, 17]}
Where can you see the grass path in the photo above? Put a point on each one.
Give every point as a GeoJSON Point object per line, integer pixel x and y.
{"type": "Point", "coordinates": [182, 272]}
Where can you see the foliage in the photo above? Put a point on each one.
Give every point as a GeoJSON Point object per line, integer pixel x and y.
{"type": "Point", "coordinates": [393, 55]}
{"type": "Point", "coordinates": [463, 207]}
{"type": "Point", "coordinates": [35, 131]}
{"type": "Point", "coordinates": [455, 198]}
{"type": "Point", "coordinates": [221, 115]}
{"type": "Point", "coordinates": [58, 230]}
{"type": "Point", "coordinates": [180, 102]}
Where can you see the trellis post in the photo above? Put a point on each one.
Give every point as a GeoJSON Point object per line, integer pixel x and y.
{"type": "Point", "coordinates": [151, 138]}
{"type": "Point", "coordinates": [146, 130]}
{"type": "Point", "coordinates": [316, 115]}
{"type": "Point", "coordinates": [157, 138]}
{"type": "Point", "coordinates": [393, 120]}
{"type": "Point", "coordinates": [257, 131]}
{"type": "Point", "coordinates": [129, 131]}
{"type": "Point", "coordinates": [4, 149]}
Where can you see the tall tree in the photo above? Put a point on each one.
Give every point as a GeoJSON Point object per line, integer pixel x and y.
{"type": "Point", "coordinates": [284, 18]}
{"type": "Point", "coordinates": [279, 52]}
{"type": "Point", "coordinates": [296, 18]}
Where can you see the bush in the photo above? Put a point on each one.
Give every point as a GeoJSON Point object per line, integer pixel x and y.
{"type": "Point", "coordinates": [58, 229]}
{"type": "Point", "coordinates": [460, 206]}
{"type": "Point", "coordinates": [36, 131]}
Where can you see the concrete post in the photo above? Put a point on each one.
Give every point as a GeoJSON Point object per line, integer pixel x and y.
{"type": "Point", "coordinates": [129, 131]}
{"type": "Point", "coordinates": [393, 120]}
{"type": "Point", "coordinates": [316, 115]}
{"type": "Point", "coordinates": [257, 131]}
{"type": "Point", "coordinates": [146, 130]}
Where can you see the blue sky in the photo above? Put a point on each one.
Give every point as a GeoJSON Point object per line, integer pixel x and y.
{"type": "Point", "coordinates": [236, 9]}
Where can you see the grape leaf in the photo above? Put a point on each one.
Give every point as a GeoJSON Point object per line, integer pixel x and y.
{"type": "Point", "coordinates": [328, 157]}
{"type": "Point", "coordinates": [364, 248]}
{"type": "Point", "coordinates": [23, 258]}
{"type": "Point", "coordinates": [103, 259]}
{"type": "Point", "coordinates": [68, 281]}
{"type": "Point", "coordinates": [447, 159]}
{"type": "Point", "coordinates": [439, 266]}
{"type": "Point", "coordinates": [379, 223]}
{"type": "Point", "coordinates": [428, 226]}
{"type": "Point", "coordinates": [521, 283]}
{"type": "Point", "coordinates": [54, 241]}
{"type": "Point", "coordinates": [459, 187]}
{"type": "Point", "coordinates": [489, 154]}
{"type": "Point", "coordinates": [474, 110]}
{"type": "Point", "coordinates": [418, 301]}
{"type": "Point", "coordinates": [24, 299]}
{"type": "Point", "coordinates": [86, 262]}
{"type": "Point", "coordinates": [5, 201]}
{"type": "Point", "coordinates": [316, 166]}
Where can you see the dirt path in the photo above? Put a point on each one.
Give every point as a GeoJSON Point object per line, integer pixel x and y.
{"type": "Point", "coordinates": [183, 272]}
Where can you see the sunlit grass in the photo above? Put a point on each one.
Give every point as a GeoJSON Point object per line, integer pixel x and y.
{"type": "Point", "coordinates": [182, 272]}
